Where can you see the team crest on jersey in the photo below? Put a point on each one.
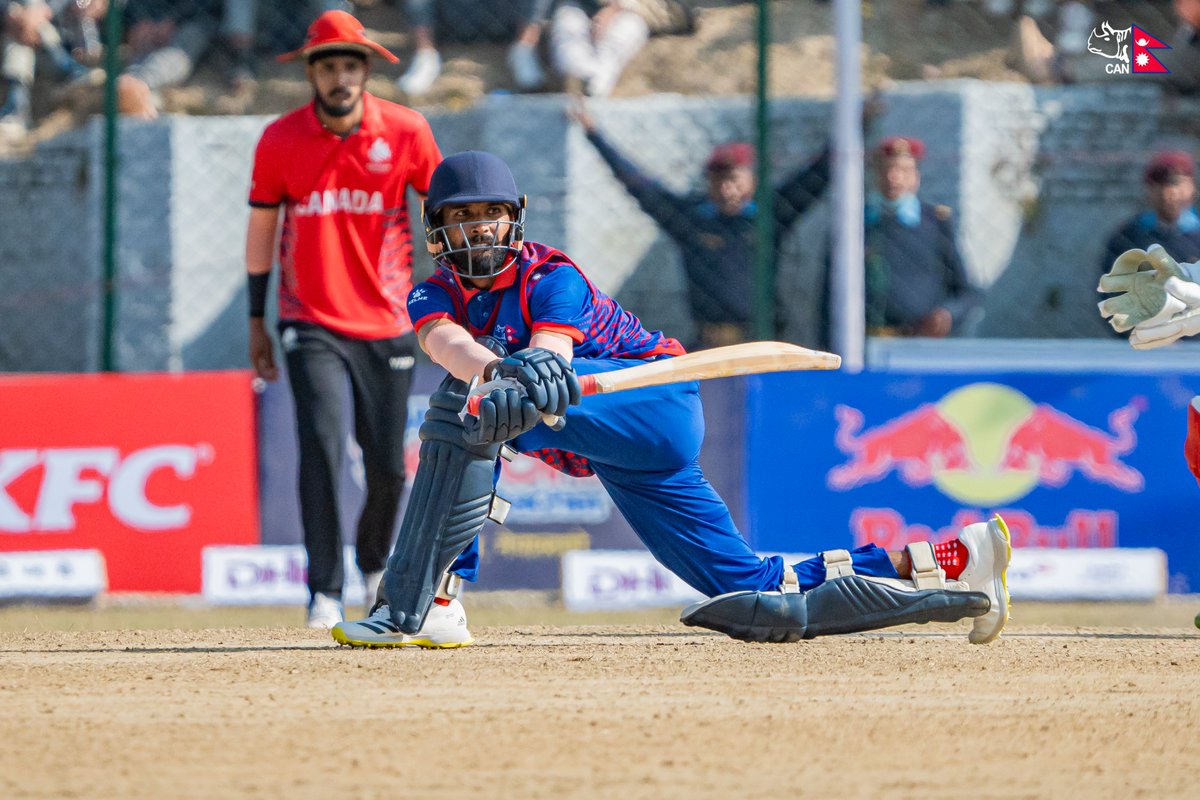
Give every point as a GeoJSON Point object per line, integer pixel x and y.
{"type": "Point", "coordinates": [506, 334]}
{"type": "Point", "coordinates": [380, 155]}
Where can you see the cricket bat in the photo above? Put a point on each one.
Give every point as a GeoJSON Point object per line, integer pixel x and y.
{"type": "Point", "coordinates": [749, 358]}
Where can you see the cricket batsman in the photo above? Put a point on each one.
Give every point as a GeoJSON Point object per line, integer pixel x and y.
{"type": "Point", "coordinates": [1158, 302]}
{"type": "Point", "coordinates": [522, 318]}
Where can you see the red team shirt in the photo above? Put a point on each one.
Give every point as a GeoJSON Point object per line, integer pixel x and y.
{"type": "Point", "coordinates": [346, 248]}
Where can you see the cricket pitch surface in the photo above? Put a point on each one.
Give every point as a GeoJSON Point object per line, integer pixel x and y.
{"type": "Point", "coordinates": [217, 703]}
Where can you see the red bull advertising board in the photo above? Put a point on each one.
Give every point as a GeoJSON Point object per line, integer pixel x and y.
{"type": "Point", "coordinates": [1070, 461]}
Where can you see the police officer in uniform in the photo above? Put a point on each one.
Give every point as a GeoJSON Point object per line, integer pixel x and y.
{"type": "Point", "coordinates": [915, 279]}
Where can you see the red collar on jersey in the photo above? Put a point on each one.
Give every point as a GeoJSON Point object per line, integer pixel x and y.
{"type": "Point", "coordinates": [503, 281]}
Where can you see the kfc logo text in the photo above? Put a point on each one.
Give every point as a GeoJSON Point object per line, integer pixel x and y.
{"type": "Point", "coordinates": [76, 476]}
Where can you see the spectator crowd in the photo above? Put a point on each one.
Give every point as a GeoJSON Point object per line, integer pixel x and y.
{"type": "Point", "coordinates": [580, 45]}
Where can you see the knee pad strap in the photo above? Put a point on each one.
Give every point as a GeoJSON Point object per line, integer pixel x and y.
{"type": "Point", "coordinates": [838, 564]}
{"type": "Point", "coordinates": [926, 574]}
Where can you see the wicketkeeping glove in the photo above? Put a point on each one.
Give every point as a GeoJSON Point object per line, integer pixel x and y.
{"type": "Point", "coordinates": [1141, 276]}
{"type": "Point", "coordinates": [548, 379]}
{"type": "Point", "coordinates": [1180, 317]}
{"type": "Point", "coordinates": [503, 415]}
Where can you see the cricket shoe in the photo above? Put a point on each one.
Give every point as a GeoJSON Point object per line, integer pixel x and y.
{"type": "Point", "coordinates": [445, 626]}
{"type": "Point", "coordinates": [324, 611]}
{"type": "Point", "coordinates": [989, 549]}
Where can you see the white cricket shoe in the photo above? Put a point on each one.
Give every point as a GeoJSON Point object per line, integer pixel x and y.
{"type": "Point", "coordinates": [445, 626]}
{"type": "Point", "coordinates": [989, 549]}
{"type": "Point", "coordinates": [425, 68]}
{"type": "Point", "coordinates": [526, 69]}
{"type": "Point", "coordinates": [324, 611]}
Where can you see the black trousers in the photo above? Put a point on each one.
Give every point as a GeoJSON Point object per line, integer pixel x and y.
{"type": "Point", "coordinates": [319, 363]}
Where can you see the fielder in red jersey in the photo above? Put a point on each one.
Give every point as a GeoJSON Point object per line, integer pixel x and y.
{"type": "Point", "coordinates": [339, 169]}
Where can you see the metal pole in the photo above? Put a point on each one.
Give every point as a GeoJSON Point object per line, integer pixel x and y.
{"type": "Point", "coordinates": [112, 68]}
{"type": "Point", "coordinates": [764, 218]}
{"type": "Point", "coordinates": [849, 285]}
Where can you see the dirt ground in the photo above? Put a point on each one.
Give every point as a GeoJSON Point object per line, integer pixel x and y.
{"type": "Point", "coordinates": [157, 702]}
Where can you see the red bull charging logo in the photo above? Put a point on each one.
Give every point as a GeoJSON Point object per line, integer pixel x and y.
{"type": "Point", "coordinates": [986, 444]}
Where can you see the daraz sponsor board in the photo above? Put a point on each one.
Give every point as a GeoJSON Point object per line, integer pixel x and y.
{"type": "Point", "coordinates": [1069, 460]}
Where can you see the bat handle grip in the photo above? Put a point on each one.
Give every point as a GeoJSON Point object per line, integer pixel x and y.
{"type": "Point", "coordinates": [587, 385]}
{"type": "Point", "coordinates": [555, 423]}
{"type": "Point", "coordinates": [473, 404]}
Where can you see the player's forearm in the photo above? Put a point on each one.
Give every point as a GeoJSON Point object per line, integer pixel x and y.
{"type": "Point", "coordinates": [260, 240]}
{"type": "Point", "coordinates": [555, 342]}
{"type": "Point", "coordinates": [260, 253]}
{"type": "Point", "coordinates": [455, 350]}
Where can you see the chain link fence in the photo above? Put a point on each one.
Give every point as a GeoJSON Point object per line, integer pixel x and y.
{"type": "Point", "coordinates": [1035, 145]}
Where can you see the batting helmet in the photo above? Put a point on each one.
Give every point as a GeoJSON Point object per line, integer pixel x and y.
{"type": "Point", "coordinates": [473, 177]}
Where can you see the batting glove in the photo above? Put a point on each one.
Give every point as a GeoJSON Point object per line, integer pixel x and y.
{"type": "Point", "coordinates": [503, 415]}
{"type": "Point", "coordinates": [547, 377]}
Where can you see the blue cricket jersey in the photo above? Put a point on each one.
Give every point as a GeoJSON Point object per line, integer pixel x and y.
{"type": "Point", "coordinates": [544, 291]}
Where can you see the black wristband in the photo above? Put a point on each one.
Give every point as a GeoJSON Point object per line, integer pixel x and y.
{"type": "Point", "coordinates": [258, 293]}
{"type": "Point", "coordinates": [489, 372]}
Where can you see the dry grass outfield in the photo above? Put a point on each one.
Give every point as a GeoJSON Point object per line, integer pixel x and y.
{"type": "Point", "coordinates": [155, 702]}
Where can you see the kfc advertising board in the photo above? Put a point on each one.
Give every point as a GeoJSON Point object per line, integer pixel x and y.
{"type": "Point", "coordinates": [148, 469]}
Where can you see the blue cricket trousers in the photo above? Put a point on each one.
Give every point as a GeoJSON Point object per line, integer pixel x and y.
{"type": "Point", "coordinates": [644, 446]}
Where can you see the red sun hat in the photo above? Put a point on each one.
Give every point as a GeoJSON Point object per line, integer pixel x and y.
{"type": "Point", "coordinates": [337, 30]}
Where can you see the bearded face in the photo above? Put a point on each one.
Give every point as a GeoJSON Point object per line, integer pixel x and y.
{"type": "Point", "coordinates": [477, 239]}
